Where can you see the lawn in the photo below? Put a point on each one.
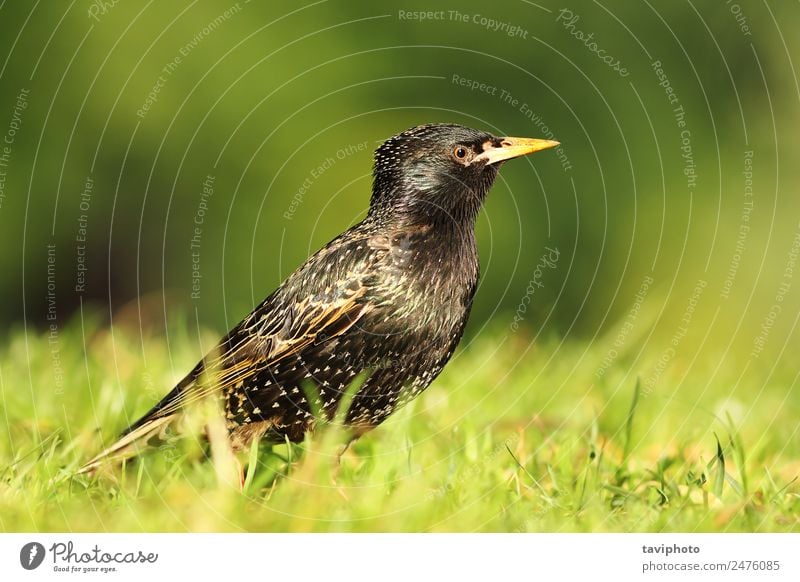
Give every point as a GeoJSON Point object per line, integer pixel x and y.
{"type": "Point", "coordinates": [516, 435]}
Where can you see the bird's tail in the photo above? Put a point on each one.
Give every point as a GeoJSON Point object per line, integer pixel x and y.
{"type": "Point", "coordinates": [156, 419]}
{"type": "Point", "coordinates": [126, 445]}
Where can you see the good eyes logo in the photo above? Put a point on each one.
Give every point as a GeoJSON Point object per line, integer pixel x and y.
{"type": "Point", "coordinates": [31, 555]}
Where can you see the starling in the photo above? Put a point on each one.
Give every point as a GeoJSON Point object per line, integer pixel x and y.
{"type": "Point", "coordinates": [384, 304]}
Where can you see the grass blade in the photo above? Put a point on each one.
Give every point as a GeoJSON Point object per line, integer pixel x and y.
{"type": "Point", "coordinates": [629, 421]}
{"type": "Point", "coordinates": [719, 471]}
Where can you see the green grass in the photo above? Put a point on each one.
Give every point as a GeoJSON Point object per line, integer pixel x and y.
{"type": "Point", "coordinates": [515, 436]}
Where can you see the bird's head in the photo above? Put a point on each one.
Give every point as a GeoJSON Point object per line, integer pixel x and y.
{"type": "Point", "coordinates": [441, 173]}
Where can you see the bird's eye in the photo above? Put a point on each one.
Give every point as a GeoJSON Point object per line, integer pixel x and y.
{"type": "Point", "coordinates": [460, 152]}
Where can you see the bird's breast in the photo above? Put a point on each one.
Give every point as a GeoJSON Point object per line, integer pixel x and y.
{"type": "Point", "coordinates": [425, 284]}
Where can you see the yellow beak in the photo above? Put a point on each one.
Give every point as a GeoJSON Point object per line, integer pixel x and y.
{"type": "Point", "coordinates": [513, 147]}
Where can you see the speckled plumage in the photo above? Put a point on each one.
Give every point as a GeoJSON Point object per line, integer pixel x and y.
{"type": "Point", "coordinates": [386, 302]}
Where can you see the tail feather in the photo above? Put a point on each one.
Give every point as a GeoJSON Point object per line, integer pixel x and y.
{"type": "Point", "coordinates": [155, 420]}
{"type": "Point", "coordinates": [125, 446]}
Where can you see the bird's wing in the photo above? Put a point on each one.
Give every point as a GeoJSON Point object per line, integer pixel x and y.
{"type": "Point", "coordinates": [269, 335]}
{"type": "Point", "coordinates": [277, 329]}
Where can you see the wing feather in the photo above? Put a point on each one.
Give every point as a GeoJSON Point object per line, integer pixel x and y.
{"type": "Point", "coordinates": [258, 350]}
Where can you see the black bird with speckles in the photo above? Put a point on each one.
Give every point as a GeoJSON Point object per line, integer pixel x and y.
{"type": "Point", "coordinates": [385, 302]}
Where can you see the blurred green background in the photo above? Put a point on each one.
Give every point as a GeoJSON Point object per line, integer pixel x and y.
{"type": "Point", "coordinates": [164, 166]}
{"type": "Point", "coordinates": [275, 109]}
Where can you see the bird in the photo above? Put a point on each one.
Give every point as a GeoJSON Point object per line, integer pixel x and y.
{"type": "Point", "coordinates": [383, 304]}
